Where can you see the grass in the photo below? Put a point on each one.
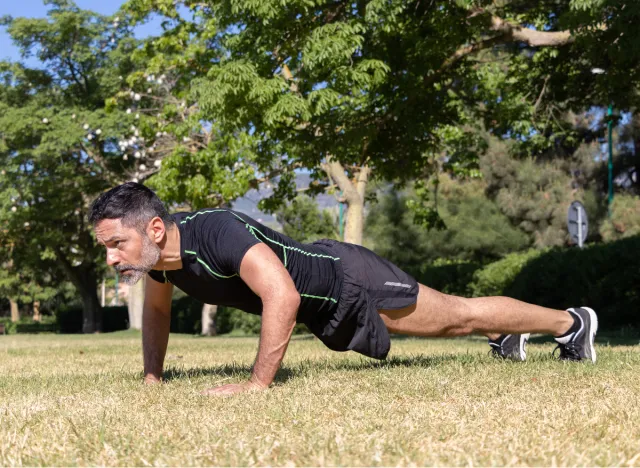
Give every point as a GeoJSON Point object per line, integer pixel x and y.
{"type": "Point", "coordinates": [78, 400]}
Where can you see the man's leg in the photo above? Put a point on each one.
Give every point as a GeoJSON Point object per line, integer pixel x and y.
{"type": "Point", "coordinates": [438, 314]}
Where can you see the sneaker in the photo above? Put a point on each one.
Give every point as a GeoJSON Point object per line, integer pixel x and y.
{"type": "Point", "coordinates": [578, 346]}
{"type": "Point", "coordinates": [510, 347]}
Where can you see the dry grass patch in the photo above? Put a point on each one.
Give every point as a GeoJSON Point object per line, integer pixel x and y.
{"type": "Point", "coordinates": [78, 400]}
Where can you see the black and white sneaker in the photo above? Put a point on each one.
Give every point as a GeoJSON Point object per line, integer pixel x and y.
{"type": "Point", "coordinates": [577, 343]}
{"type": "Point", "coordinates": [510, 347]}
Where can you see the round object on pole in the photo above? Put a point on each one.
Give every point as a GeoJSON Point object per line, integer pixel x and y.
{"type": "Point", "coordinates": [577, 223]}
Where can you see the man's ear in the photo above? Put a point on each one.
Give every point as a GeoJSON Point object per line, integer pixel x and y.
{"type": "Point", "coordinates": [156, 229]}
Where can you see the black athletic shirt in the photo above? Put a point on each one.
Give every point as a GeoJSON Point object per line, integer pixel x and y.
{"type": "Point", "coordinates": [212, 245]}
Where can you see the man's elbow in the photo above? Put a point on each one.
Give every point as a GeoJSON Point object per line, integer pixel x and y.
{"type": "Point", "coordinates": [289, 300]}
{"type": "Point", "coordinates": [293, 300]}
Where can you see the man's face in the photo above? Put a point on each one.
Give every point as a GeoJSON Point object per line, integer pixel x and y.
{"type": "Point", "coordinates": [131, 253]}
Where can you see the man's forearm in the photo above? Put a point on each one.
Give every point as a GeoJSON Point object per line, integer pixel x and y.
{"type": "Point", "coordinates": [155, 336]}
{"type": "Point", "coordinates": [278, 320]}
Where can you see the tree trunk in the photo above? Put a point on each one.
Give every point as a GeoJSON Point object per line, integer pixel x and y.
{"type": "Point", "coordinates": [91, 310]}
{"type": "Point", "coordinates": [85, 281]}
{"type": "Point", "coordinates": [15, 311]}
{"type": "Point", "coordinates": [136, 303]}
{"type": "Point", "coordinates": [209, 312]}
{"type": "Point", "coordinates": [36, 311]}
{"type": "Point", "coordinates": [353, 196]}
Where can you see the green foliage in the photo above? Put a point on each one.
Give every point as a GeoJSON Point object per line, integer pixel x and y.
{"type": "Point", "coordinates": [601, 276]}
{"type": "Point", "coordinates": [625, 218]}
{"type": "Point", "coordinates": [230, 320]}
{"type": "Point", "coordinates": [303, 221]}
{"type": "Point", "coordinates": [496, 277]}
{"type": "Point", "coordinates": [604, 277]}
{"type": "Point", "coordinates": [448, 276]}
{"type": "Point", "coordinates": [474, 229]}
{"type": "Point", "coordinates": [58, 147]}
{"type": "Point", "coordinates": [535, 192]}
{"type": "Point", "coordinates": [9, 326]}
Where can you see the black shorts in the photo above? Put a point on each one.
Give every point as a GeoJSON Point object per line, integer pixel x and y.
{"type": "Point", "coordinates": [369, 283]}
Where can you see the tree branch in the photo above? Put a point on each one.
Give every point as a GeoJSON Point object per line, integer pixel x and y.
{"type": "Point", "coordinates": [336, 173]}
{"type": "Point", "coordinates": [531, 37]}
{"type": "Point", "coordinates": [506, 33]}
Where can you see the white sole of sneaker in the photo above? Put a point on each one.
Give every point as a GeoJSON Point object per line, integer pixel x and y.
{"type": "Point", "coordinates": [523, 341]}
{"type": "Point", "coordinates": [592, 332]}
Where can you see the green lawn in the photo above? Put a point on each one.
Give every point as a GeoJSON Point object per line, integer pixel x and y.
{"type": "Point", "coordinates": [78, 400]}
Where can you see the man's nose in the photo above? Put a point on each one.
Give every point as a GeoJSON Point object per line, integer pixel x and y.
{"type": "Point", "coordinates": [112, 258]}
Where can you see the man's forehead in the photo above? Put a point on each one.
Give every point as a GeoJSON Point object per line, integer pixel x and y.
{"type": "Point", "coordinates": [108, 228]}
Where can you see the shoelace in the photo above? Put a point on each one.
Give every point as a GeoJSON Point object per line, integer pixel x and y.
{"type": "Point", "coordinates": [569, 352]}
{"type": "Point", "coordinates": [496, 350]}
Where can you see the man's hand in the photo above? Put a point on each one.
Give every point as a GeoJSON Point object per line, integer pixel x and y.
{"type": "Point", "coordinates": [265, 274]}
{"type": "Point", "coordinates": [152, 379]}
{"type": "Point", "coordinates": [232, 389]}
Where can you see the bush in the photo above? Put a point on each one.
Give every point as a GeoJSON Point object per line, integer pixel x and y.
{"type": "Point", "coordinates": [448, 276]}
{"type": "Point", "coordinates": [494, 278]}
{"type": "Point", "coordinates": [605, 277]}
{"type": "Point", "coordinates": [47, 324]}
{"type": "Point", "coordinates": [186, 315]}
{"type": "Point", "coordinates": [9, 326]}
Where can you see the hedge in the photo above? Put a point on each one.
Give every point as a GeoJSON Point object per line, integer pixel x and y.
{"type": "Point", "coordinates": [605, 277]}
{"type": "Point", "coordinates": [448, 276]}
{"type": "Point", "coordinates": [47, 324]}
{"type": "Point", "coordinates": [69, 319]}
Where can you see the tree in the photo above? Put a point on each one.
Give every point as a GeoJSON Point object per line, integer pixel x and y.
{"type": "Point", "coordinates": [303, 221]}
{"type": "Point", "coordinates": [535, 192]}
{"type": "Point", "coordinates": [58, 145]}
{"type": "Point", "coordinates": [473, 230]}
{"type": "Point", "coordinates": [368, 89]}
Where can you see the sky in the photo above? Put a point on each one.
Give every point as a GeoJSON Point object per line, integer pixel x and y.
{"type": "Point", "coordinates": [37, 9]}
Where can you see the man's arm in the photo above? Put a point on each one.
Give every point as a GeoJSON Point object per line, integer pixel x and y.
{"type": "Point", "coordinates": [156, 319]}
{"type": "Point", "coordinates": [265, 274]}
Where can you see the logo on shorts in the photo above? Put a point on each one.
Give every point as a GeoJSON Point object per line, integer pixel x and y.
{"type": "Point", "coordinates": [402, 285]}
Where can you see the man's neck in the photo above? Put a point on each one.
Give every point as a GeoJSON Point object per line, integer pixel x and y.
{"type": "Point", "coordinates": [170, 258]}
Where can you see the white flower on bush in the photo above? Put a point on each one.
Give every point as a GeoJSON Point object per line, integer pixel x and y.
{"type": "Point", "coordinates": [98, 132]}
{"type": "Point", "coordinates": [45, 121]}
{"type": "Point", "coordinates": [129, 111]}
{"type": "Point", "coordinates": [137, 97]}
{"type": "Point", "coordinates": [14, 209]}
{"type": "Point", "coordinates": [157, 163]}
{"type": "Point", "coordinates": [143, 167]}
{"type": "Point", "coordinates": [136, 154]}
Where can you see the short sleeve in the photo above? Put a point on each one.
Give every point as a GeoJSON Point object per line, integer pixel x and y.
{"type": "Point", "coordinates": [157, 276]}
{"type": "Point", "coordinates": [227, 240]}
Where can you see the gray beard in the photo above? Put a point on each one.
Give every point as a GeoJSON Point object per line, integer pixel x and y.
{"type": "Point", "coordinates": [148, 258]}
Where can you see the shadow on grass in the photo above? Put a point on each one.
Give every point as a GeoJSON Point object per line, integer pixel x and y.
{"type": "Point", "coordinates": [612, 338]}
{"type": "Point", "coordinates": [301, 369]}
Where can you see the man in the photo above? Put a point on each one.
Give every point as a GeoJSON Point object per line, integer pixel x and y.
{"type": "Point", "coordinates": [348, 297]}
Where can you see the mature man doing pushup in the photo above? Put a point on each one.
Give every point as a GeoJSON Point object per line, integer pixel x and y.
{"type": "Point", "coordinates": [349, 297]}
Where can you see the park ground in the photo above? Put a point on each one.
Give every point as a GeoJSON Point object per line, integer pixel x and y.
{"type": "Point", "coordinates": [78, 400]}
